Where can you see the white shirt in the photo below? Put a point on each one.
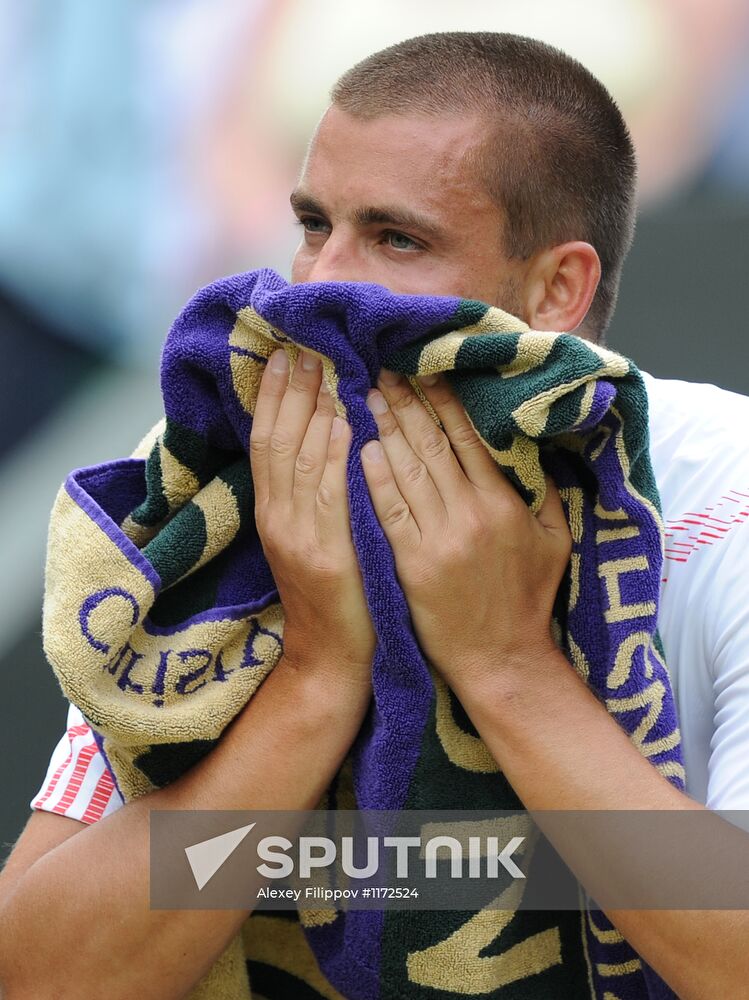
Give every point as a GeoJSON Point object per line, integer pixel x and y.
{"type": "Point", "coordinates": [700, 453]}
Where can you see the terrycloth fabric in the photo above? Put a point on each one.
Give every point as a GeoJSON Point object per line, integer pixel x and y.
{"type": "Point", "coordinates": [162, 619]}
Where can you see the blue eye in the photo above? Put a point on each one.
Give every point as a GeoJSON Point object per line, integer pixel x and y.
{"type": "Point", "coordinates": [311, 224]}
{"type": "Point", "coordinates": [399, 241]}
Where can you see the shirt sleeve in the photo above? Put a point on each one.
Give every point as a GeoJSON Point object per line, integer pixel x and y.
{"type": "Point", "coordinates": [728, 612]}
{"type": "Point", "coordinates": [78, 783]}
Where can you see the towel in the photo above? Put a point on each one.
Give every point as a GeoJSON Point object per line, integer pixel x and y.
{"type": "Point", "coordinates": [161, 618]}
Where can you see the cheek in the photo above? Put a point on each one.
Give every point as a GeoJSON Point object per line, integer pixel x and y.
{"type": "Point", "coordinates": [300, 265]}
{"type": "Point", "coordinates": [448, 277]}
{"type": "Point", "coordinates": [418, 280]}
{"type": "Point", "coordinates": [482, 277]}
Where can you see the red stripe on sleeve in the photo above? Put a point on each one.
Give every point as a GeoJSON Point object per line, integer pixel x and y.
{"type": "Point", "coordinates": [100, 798]}
{"type": "Point", "coordinates": [76, 779]}
{"type": "Point", "coordinates": [73, 731]}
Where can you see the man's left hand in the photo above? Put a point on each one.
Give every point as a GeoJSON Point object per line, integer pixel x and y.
{"type": "Point", "coordinates": [479, 571]}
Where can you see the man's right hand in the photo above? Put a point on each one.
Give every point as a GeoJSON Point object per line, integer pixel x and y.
{"type": "Point", "coordinates": [299, 450]}
{"type": "Point", "coordinates": [288, 754]}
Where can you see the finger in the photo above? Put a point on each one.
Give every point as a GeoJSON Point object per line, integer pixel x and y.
{"type": "Point", "coordinates": [471, 452]}
{"type": "Point", "coordinates": [551, 512]}
{"type": "Point", "coordinates": [412, 474]}
{"type": "Point", "coordinates": [313, 454]}
{"type": "Point", "coordinates": [332, 523]}
{"type": "Point", "coordinates": [272, 388]}
{"type": "Point", "coordinates": [294, 414]}
{"type": "Point", "coordinates": [428, 440]}
{"type": "Point", "coordinates": [392, 511]}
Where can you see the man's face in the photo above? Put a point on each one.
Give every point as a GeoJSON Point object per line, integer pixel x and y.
{"type": "Point", "coordinates": [396, 201]}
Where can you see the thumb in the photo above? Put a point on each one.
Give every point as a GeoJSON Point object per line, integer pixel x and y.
{"type": "Point", "coordinates": [551, 514]}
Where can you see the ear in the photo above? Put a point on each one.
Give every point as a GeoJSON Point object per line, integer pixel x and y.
{"type": "Point", "coordinates": [559, 287]}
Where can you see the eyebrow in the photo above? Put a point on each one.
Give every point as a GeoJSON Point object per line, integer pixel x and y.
{"type": "Point", "coordinates": [401, 218]}
{"type": "Point", "coordinates": [302, 202]}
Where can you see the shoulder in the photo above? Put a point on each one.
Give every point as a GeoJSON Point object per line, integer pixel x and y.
{"type": "Point", "coordinates": [692, 417]}
{"type": "Point", "coordinates": [699, 445]}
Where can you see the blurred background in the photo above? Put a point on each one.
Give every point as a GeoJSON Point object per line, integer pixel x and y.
{"type": "Point", "coordinates": [148, 148]}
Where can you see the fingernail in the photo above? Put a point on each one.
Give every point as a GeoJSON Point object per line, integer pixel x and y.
{"type": "Point", "coordinates": [372, 451]}
{"type": "Point", "coordinates": [309, 361]}
{"type": "Point", "coordinates": [279, 362]}
{"type": "Point", "coordinates": [337, 429]}
{"type": "Point", "coordinates": [376, 402]}
{"type": "Point", "coordinates": [388, 377]}
{"type": "Point", "coordinates": [428, 379]}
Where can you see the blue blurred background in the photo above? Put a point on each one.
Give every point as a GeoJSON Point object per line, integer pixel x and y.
{"type": "Point", "coordinates": [148, 148]}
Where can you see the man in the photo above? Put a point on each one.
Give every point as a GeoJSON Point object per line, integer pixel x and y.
{"type": "Point", "coordinates": [491, 167]}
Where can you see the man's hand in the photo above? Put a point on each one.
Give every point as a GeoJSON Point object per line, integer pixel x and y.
{"type": "Point", "coordinates": [280, 752]}
{"type": "Point", "coordinates": [298, 449]}
{"type": "Point", "coordinates": [479, 571]}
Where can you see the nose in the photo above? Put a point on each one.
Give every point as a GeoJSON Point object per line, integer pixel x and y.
{"type": "Point", "coordinates": [339, 259]}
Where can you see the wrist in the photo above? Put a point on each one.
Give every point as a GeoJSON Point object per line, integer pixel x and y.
{"type": "Point", "coordinates": [497, 677]}
{"type": "Point", "coordinates": [308, 705]}
{"type": "Point", "coordinates": [327, 677]}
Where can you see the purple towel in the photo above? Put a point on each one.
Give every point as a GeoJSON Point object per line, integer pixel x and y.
{"type": "Point", "coordinates": [162, 617]}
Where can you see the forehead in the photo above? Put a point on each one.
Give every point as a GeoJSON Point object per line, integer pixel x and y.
{"type": "Point", "coordinates": [424, 162]}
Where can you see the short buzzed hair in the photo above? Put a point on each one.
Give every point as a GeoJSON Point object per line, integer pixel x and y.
{"type": "Point", "coordinates": [558, 158]}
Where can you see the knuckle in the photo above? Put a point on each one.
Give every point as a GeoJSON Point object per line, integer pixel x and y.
{"type": "Point", "coordinates": [388, 425]}
{"type": "Point", "coordinates": [326, 497]}
{"type": "Point", "coordinates": [476, 531]}
{"type": "Point", "coordinates": [404, 400]}
{"type": "Point", "coordinates": [513, 523]}
{"type": "Point", "coordinates": [421, 579]}
{"type": "Point", "coordinates": [441, 391]}
{"type": "Point", "coordinates": [308, 555]}
{"type": "Point", "coordinates": [305, 464]}
{"type": "Point", "coordinates": [281, 445]}
{"type": "Point", "coordinates": [327, 569]}
{"type": "Point", "coordinates": [452, 552]}
{"type": "Point", "coordinates": [258, 444]}
{"type": "Point", "coordinates": [324, 405]}
{"type": "Point", "coordinates": [397, 514]}
{"type": "Point", "coordinates": [414, 472]}
{"type": "Point", "coordinates": [435, 445]}
{"type": "Point", "coordinates": [298, 384]}
{"type": "Point", "coordinates": [268, 537]}
{"type": "Point", "coordinates": [465, 436]}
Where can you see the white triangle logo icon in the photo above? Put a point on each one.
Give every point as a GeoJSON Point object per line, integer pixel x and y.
{"type": "Point", "coordinates": [207, 857]}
